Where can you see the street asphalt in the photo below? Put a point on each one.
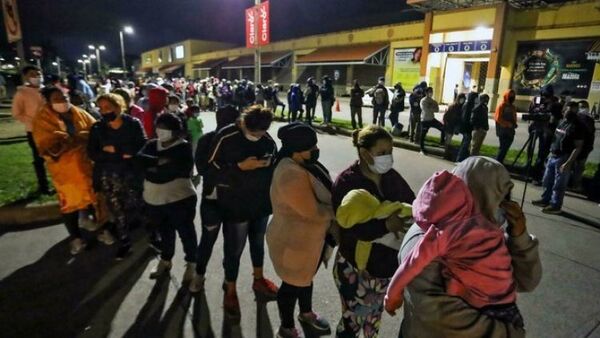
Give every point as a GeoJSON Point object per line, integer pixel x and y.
{"type": "Point", "coordinates": [44, 292]}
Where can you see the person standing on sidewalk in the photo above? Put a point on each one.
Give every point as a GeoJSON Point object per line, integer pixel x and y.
{"type": "Point", "coordinates": [466, 129]}
{"type": "Point", "coordinates": [242, 157]}
{"type": "Point", "coordinates": [356, 97]}
{"type": "Point", "coordinates": [587, 121]}
{"type": "Point", "coordinates": [362, 289]}
{"type": "Point", "coordinates": [210, 214]}
{"type": "Point", "coordinates": [2, 87]}
{"type": "Point", "coordinates": [479, 121]}
{"type": "Point", "coordinates": [506, 123]}
{"type": "Point", "coordinates": [327, 99]}
{"type": "Point", "coordinates": [415, 113]}
{"type": "Point", "coordinates": [295, 102]}
{"type": "Point", "coordinates": [429, 107]}
{"type": "Point", "coordinates": [114, 141]}
{"type": "Point", "coordinates": [311, 94]}
{"type": "Point", "coordinates": [397, 105]}
{"type": "Point", "coordinates": [452, 118]}
{"type": "Point", "coordinates": [302, 215]}
{"type": "Point", "coordinates": [381, 101]}
{"type": "Point", "coordinates": [26, 104]}
{"type": "Point", "coordinates": [564, 150]}
{"type": "Point", "coordinates": [61, 133]}
{"type": "Point", "coordinates": [169, 192]}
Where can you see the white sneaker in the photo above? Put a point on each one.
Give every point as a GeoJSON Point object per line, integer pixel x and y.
{"type": "Point", "coordinates": [77, 246]}
{"type": "Point", "coordinates": [190, 272]}
{"type": "Point", "coordinates": [197, 284]}
{"type": "Point", "coordinates": [106, 238]}
{"type": "Point", "coordinates": [160, 269]}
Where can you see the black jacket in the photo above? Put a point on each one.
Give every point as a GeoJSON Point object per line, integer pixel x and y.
{"type": "Point", "coordinates": [311, 94]}
{"type": "Point", "coordinates": [415, 103]}
{"type": "Point", "coordinates": [326, 92]}
{"type": "Point", "coordinates": [397, 104]}
{"type": "Point", "coordinates": [241, 195]}
{"type": "Point", "coordinates": [179, 162]}
{"type": "Point", "coordinates": [356, 97]}
{"type": "Point", "coordinates": [128, 139]}
{"type": "Point", "coordinates": [204, 169]}
{"type": "Point", "coordinates": [479, 117]}
{"type": "Point", "coordinates": [467, 111]}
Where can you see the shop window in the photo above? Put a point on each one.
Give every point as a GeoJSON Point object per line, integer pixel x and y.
{"type": "Point", "coordinates": [179, 52]}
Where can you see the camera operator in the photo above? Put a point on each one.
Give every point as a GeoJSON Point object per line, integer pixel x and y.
{"type": "Point", "coordinates": [566, 147]}
{"type": "Point", "coordinates": [545, 112]}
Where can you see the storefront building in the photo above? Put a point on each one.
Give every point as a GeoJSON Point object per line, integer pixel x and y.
{"type": "Point", "coordinates": [489, 49]}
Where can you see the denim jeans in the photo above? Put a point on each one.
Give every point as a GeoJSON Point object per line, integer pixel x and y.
{"type": "Point", "coordinates": [425, 125]}
{"type": "Point", "coordinates": [465, 146]}
{"type": "Point", "coordinates": [379, 115]}
{"type": "Point", "coordinates": [235, 235]}
{"type": "Point", "coordinates": [555, 183]}
{"type": "Point", "coordinates": [176, 217]}
{"type": "Point", "coordinates": [326, 105]}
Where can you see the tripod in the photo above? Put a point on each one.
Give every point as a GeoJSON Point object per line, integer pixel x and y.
{"type": "Point", "coordinates": [530, 146]}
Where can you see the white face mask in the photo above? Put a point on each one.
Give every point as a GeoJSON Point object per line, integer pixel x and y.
{"type": "Point", "coordinates": [381, 164]}
{"type": "Point", "coordinates": [61, 107]}
{"type": "Point", "coordinates": [585, 111]}
{"type": "Point", "coordinates": [173, 107]}
{"type": "Point", "coordinates": [164, 135]}
{"type": "Point", "coordinates": [252, 138]}
{"type": "Point", "coordinates": [36, 81]}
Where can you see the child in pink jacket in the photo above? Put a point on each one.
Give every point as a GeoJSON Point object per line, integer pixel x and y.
{"type": "Point", "coordinates": [477, 264]}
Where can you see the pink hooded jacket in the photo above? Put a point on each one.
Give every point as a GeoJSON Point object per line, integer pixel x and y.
{"type": "Point", "coordinates": [477, 264]}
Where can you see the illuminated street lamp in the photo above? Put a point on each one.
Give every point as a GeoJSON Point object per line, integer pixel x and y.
{"type": "Point", "coordinates": [126, 30]}
{"type": "Point", "coordinates": [98, 49]}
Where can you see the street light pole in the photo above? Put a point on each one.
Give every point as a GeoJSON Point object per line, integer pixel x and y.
{"type": "Point", "coordinates": [58, 65]}
{"type": "Point", "coordinates": [257, 48]}
{"type": "Point", "coordinates": [127, 30]}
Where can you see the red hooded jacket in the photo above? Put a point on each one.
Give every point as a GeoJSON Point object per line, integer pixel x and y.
{"type": "Point", "coordinates": [157, 100]}
{"type": "Point", "coordinates": [506, 112]}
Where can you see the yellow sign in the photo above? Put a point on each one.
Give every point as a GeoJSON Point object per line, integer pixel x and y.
{"type": "Point", "coordinates": [11, 20]}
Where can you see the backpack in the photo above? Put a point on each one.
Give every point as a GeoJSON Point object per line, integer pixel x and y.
{"type": "Point", "coordinates": [379, 96]}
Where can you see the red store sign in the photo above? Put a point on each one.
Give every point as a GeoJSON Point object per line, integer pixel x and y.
{"type": "Point", "coordinates": [258, 25]}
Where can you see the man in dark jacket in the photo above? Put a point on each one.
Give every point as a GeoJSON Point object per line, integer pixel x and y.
{"type": "Point", "coordinates": [381, 101]}
{"type": "Point", "coordinates": [466, 129]}
{"type": "Point", "coordinates": [479, 121]}
{"type": "Point", "coordinates": [356, 103]}
{"type": "Point", "coordinates": [327, 99]}
{"type": "Point", "coordinates": [415, 113]}
{"type": "Point", "coordinates": [452, 119]}
{"type": "Point", "coordinates": [587, 122]}
{"type": "Point", "coordinates": [242, 157]}
{"type": "Point", "coordinates": [397, 104]}
{"type": "Point", "coordinates": [310, 96]}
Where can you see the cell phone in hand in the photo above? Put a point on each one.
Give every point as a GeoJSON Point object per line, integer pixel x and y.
{"type": "Point", "coordinates": [266, 157]}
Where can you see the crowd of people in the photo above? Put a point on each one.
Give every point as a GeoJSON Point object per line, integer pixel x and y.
{"type": "Point", "coordinates": [454, 254]}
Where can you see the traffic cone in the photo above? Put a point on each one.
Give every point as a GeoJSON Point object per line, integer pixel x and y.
{"type": "Point", "coordinates": [337, 105]}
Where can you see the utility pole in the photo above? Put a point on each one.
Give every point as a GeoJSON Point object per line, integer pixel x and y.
{"type": "Point", "coordinates": [58, 65]}
{"type": "Point", "coordinates": [257, 61]}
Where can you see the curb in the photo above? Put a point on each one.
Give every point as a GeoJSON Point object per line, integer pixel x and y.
{"type": "Point", "coordinates": [29, 215]}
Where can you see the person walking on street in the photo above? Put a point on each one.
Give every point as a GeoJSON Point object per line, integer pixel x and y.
{"type": "Point", "coordinates": [210, 213]}
{"type": "Point", "coordinates": [170, 194]}
{"type": "Point", "coordinates": [479, 121]}
{"type": "Point", "coordinates": [310, 96]}
{"type": "Point", "coordinates": [362, 276]}
{"type": "Point", "coordinates": [566, 147]}
{"type": "Point", "coordinates": [242, 157]}
{"type": "Point", "coordinates": [26, 104]}
{"type": "Point", "coordinates": [381, 101]}
{"type": "Point", "coordinates": [61, 133]}
{"type": "Point", "coordinates": [506, 123]}
{"type": "Point", "coordinates": [356, 97]}
{"type": "Point", "coordinates": [113, 143]}
{"type": "Point", "coordinates": [429, 107]}
{"type": "Point", "coordinates": [302, 215]}
{"type": "Point", "coordinates": [397, 105]}
{"type": "Point", "coordinates": [466, 129]}
{"type": "Point", "coordinates": [327, 99]}
{"type": "Point", "coordinates": [452, 118]}
{"type": "Point", "coordinates": [415, 113]}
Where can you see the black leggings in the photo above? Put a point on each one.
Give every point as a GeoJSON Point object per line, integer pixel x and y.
{"type": "Point", "coordinates": [72, 223]}
{"type": "Point", "coordinates": [286, 302]}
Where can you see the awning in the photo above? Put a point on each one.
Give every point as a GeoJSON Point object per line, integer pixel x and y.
{"type": "Point", "coordinates": [371, 54]}
{"type": "Point", "coordinates": [594, 53]}
{"type": "Point", "coordinates": [209, 64]}
{"type": "Point", "coordinates": [272, 59]}
{"type": "Point", "coordinates": [169, 69]}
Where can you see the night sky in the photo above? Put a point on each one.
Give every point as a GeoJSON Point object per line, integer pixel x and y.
{"type": "Point", "coordinates": [68, 26]}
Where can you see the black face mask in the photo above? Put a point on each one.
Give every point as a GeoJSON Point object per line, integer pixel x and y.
{"type": "Point", "coordinates": [314, 156]}
{"type": "Point", "coordinates": [511, 99]}
{"type": "Point", "coordinates": [109, 117]}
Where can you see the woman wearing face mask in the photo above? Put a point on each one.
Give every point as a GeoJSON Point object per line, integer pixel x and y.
{"type": "Point", "coordinates": [452, 119]}
{"type": "Point", "coordinates": [114, 141]}
{"type": "Point", "coordinates": [302, 214]}
{"type": "Point", "coordinates": [362, 291]}
{"type": "Point", "coordinates": [61, 132]}
{"type": "Point", "coordinates": [169, 192]}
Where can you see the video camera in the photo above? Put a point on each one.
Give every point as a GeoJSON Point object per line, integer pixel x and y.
{"type": "Point", "coordinates": [538, 112]}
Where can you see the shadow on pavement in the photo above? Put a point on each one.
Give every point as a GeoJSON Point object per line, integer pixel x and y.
{"type": "Point", "coordinates": [147, 322]}
{"type": "Point", "coordinates": [580, 219]}
{"type": "Point", "coordinates": [174, 320]}
{"type": "Point", "coordinates": [201, 318]}
{"type": "Point", "coordinates": [263, 322]}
